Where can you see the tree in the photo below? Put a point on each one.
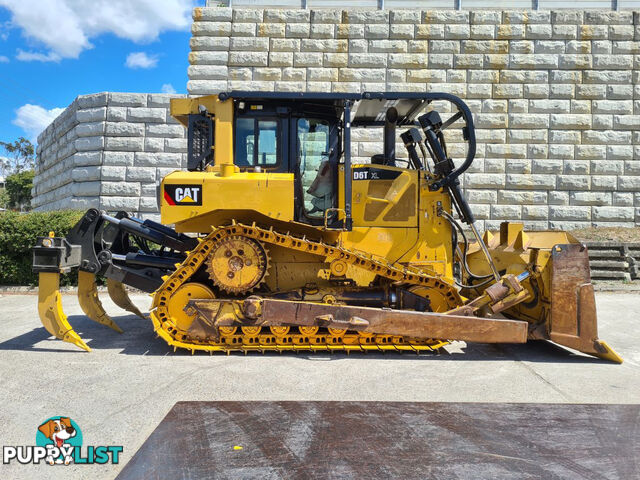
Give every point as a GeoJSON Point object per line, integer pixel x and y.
{"type": "Point", "coordinates": [18, 186]}
{"type": "Point", "coordinates": [18, 169]}
{"type": "Point", "coordinates": [20, 156]}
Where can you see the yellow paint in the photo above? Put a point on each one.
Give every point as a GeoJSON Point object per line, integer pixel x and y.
{"type": "Point", "coordinates": [50, 310]}
{"type": "Point", "coordinates": [90, 303]}
{"type": "Point", "coordinates": [226, 197]}
{"type": "Point", "coordinates": [222, 112]}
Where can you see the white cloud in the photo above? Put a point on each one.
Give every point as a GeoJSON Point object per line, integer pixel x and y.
{"type": "Point", "coordinates": [65, 27]}
{"type": "Point", "coordinates": [4, 59]}
{"type": "Point", "coordinates": [37, 56]}
{"type": "Point", "coordinates": [168, 88]}
{"type": "Point", "coordinates": [141, 60]}
{"type": "Point", "coordinates": [33, 119]}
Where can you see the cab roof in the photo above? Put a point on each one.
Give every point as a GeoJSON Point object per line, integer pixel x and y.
{"type": "Point", "coordinates": [368, 108]}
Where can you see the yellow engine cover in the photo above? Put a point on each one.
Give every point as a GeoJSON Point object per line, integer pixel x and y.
{"type": "Point", "coordinates": [194, 201]}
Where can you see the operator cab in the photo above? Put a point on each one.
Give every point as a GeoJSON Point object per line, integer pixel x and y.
{"type": "Point", "coordinates": [309, 136]}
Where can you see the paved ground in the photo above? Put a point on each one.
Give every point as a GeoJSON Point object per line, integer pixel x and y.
{"type": "Point", "coordinates": [121, 391]}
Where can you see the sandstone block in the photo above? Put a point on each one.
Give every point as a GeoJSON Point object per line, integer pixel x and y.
{"type": "Point", "coordinates": [575, 61]}
{"type": "Point", "coordinates": [484, 180]}
{"type": "Point", "coordinates": [212, 14]}
{"type": "Point", "coordinates": [492, 46]}
{"type": "Point", "coordinates": [535, 212]}
{"type": "Point", "coordinates": [350, 31]}
{"type": "Point", "coordinates": [85, 174]}
{"type": "Point", "coordinates": [445, 16]}
{"type": "Point", "coordinates": [376, 31]}
{"type": "Point", "coordinates": [145, 159]}
{"type": "Point", "coordinates": [199, 44]}
{"type": "Point", "coordinates": [365, 16]}
{"type": "Point", "coordinates": [496, 61]}
{"type": "Point", "coordinates": [277, 15]}
{"type": "Point", "coordinates": [154, 144]}
{"type": "Point", "coordinates": [322, 30]}
{"type": "Point", "coordinates": [211, 29]}
{"type": "Point", "coordinates": [118, 158]}
{"type": "Point", "coordinates": [124, 144]}
{"type": "Point", "coordinates": [253, 44]}
{"type": "Point", "coordinates": [574, 17]}
{"type": "Point", "coordinates": [506, 212]}
{"type": "Point", "coordinates": [141, 174]}
{"type": "Point", "coordinates": [93, 100]}
{"type": "Point", "coordinates": [124, 129]}
{"type": "Point", "coordinates": [483, 32]}
{"type": "Point", "coordinates": [425, 32]}
{"type": "Point", "coordinates": [485, 17]}
{"type": "Point", "coordinates": [464, 61]}
{"type": "Point", "coordinates": [522, 197]}
{"type": "Point", "coordinates": [89, 143]}
{"type": "Point", "coordinates": [538, 31]}
{"type": "Point", "coordinates": [613, 62]}
{"type": "Point", "coordinates": [613, 214]}
{"type": "Point", "coordinates": [481, 196]}
{"type": "Point", "coordinates": [326, 16]}
{"type": "Point", "coordinates": [315, 45]}
{"type": "Point", "coordinates": [280, 59]}
{"type": "Point", "coordinates": [85, 189]}
{"type": "Point", "coordinates": [530, 182]}
{"type": "Point", "coordinates": [248, 59]}
{"type": "Point", "coordinates": [239, 30]}
{"type": "Point", "coordinates": [574, 182]}
{"type": "Point", "coordinates": [405, 16]}
{"type": "Point", "coordinates": [91, 114]}
{"type": "Point", "coordinates": [165, 130]}
{"type": "Point", "coordinates": [118, 202]}
{"type": "Point", "coordinates": [387, 46]}
{"type": "Point", "coordinates": [455, 31]}
{"type": "Point", "coordinates": [90, 129]}
{"type": "Point", "coordinates": [297, 30]}
{"type": "Point", "coordinates": [336, 60]}
{"type": "Point", "coordinates": [567, 32]}
{"type": "Point", "coordinates": [570, 121]}
{"type": "Point", "coordinates": [574, 212]}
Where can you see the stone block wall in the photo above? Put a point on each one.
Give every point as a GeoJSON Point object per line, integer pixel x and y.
{"type": "Point", "coordinates": [108, 151]}
{"type": "Point", "coordinates": [556, 94]}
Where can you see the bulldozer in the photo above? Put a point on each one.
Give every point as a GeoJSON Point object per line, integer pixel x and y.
{"type": "Point", "coordinates": [273, 239]}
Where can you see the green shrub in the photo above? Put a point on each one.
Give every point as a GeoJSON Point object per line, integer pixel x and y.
{"type": "Point", "coordinates": [18, 233]}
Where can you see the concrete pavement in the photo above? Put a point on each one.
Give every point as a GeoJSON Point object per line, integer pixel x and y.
{"type": "Point", "coordinates": [121, 391]}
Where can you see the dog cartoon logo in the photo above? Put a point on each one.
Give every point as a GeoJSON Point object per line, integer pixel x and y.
{"type": "Point", "coordinates": [64, 434]}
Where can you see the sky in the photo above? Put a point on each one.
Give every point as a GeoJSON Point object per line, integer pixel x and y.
{"type": "Point", "coordinates": [51, 51]}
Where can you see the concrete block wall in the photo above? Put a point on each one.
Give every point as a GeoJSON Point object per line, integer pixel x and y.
{"type": "Point", "coordinates": [108, 150]}
{"type": "Point", "coordinates": [556, 94]}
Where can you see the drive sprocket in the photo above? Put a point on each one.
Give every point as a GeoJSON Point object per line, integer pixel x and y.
{"type": "Point", "coordinates": [237, 264]}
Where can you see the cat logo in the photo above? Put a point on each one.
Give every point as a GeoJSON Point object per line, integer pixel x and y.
{"type": "Point", "coordinates": [183, 194]}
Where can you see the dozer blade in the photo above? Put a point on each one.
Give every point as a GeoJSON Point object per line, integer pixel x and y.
{"type": "Point", "coordinates": [573, 304]}
{"type": "Point", "coordinates": [90, 303]}
{"type": "Point", "coordinates": [119, 296]}
{"type": "Point", "coordinates": [50, 310]}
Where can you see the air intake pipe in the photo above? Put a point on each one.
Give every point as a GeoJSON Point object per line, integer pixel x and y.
{"type": "Point", "coordinates": [391, 117]}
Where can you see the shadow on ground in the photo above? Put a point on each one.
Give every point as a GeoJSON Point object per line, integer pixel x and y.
{"type": "Point", "coordinates": [139, 339]}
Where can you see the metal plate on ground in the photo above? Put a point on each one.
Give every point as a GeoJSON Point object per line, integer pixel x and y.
{"type": "Point", "coordinates": [341, 440]}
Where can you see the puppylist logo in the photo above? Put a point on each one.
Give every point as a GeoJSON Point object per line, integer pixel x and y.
{"type": "Point", "coordinates": [59, 442]}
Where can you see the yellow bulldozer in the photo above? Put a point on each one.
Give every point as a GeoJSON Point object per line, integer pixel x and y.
{"type": "Point", "coordinates": [273, 239]}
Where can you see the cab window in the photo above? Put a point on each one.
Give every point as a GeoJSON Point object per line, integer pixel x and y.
{"type": "Point", "coordinates": [256, 142]}
{"type": "Point", "coordinates": [313, 164]}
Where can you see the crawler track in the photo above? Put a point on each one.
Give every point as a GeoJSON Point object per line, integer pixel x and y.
{"type": "Point", "coordinates": [255, 339]}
